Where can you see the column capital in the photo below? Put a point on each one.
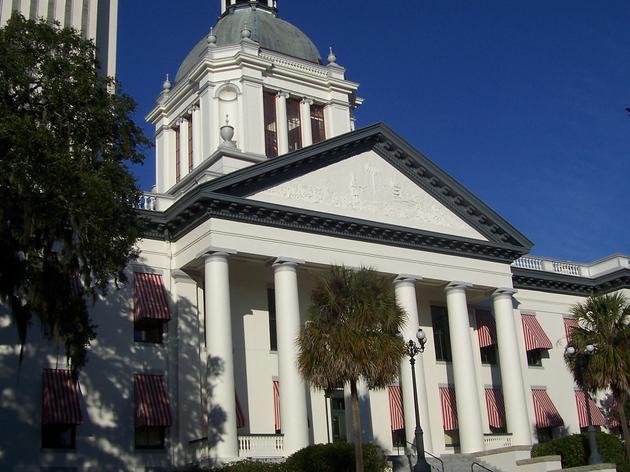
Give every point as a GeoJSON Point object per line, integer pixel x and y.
{"type": "Point", "coordinates": [287, 261]}
{"type": "Point", "coordinates": [406, 278]}
{"type": "Point", "coordinates": [458, 286]}
{"type": "Point", "coordinates": [282, 94]}
{"type": "Point", "coordinates": [307, 101]}
{"type": "Point", "coordinates": [217, 251]}
{"type": "Point", "coordinates": [504, 291]}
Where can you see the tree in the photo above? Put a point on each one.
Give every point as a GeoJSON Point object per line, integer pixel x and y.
{"type": "Point", "coordinates": [350, 335]}
{"type": "Point", "coordinates": [66, 214]}
{"type": "Point", "coordinates": [604, 321]}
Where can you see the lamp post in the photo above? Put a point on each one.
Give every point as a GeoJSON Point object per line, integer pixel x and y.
{"type": "Point", "coordinates": [581, 360]}
{"type": "Point", "coordinates": [412, 350]}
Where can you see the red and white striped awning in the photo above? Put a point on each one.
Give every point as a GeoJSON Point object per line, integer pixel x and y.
{"type": "Point", "coordinates": [276, 405]}
{"type": "Point", "coordinates": [544, 409]}
{"type": "Point", "coordinates": [535, 337]}
{"type": "Point", "coordinates": [596, 414]}
{"type": "Point", "coordinates": [449, 408]}
{"type": "Point", "coordinates": [496, 407]}
{"type": "Point", "coordinates": [149, 298]}
{"type": "Point", "coordinates": [61, 398]}
{"type": "Point", "coordinates": [486, 329]}
{"type": "Point", "coordinates": [396, 415]}
{"type": "Point", "coordinates": [569, 325]}
{"type": "Point", "coordinates": [240, 417]}
{"type": "Point", "coordinates": [151, 399]}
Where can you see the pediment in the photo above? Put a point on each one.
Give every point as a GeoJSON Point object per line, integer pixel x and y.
{"type": "Point", "coordinates": [368, 187]}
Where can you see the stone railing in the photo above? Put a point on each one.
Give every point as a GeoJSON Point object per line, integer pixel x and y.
{"type": "Point", "coordinates": [261, 445]}
{"type": "Point", "coordinates": [296, 65]}
{"type": "Point", "coordinates": [549, 265]}
{"type": "Point", "coordinates": [595, 269]}
{"type": "Point", "coordinates": [496, 441]}
{"type": "Point", "coordinates": [154, 202]}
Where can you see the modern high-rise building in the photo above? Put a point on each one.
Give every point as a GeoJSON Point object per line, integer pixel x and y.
{"type": "Point", "coordinates": [262, 183]}
{"type": "Point", "coordinates": [95, 19]}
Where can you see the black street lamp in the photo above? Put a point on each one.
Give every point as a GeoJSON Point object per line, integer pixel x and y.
{"type": "Point", "coordinates": [581, 360]}
{"type": "Point", "coordinates": [413, 350]}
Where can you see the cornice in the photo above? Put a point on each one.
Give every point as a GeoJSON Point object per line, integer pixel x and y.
{"type": "Point", "coordinates": [568, 284]}
{"type": "Point", "coordinates": [190, 212]}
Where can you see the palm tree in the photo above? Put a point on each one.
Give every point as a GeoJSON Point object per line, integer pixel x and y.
{"type": "Point", "coordinates": [351, 336]}
{"type": "Point", "coordinates": [604, 321]}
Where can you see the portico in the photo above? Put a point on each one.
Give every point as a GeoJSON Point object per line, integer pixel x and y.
{"type": "Point", "coordinates": [240, 277]}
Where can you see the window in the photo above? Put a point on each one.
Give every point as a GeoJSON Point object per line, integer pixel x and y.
{"type": "Point", "coordinates": [148, 331]}
{"type": "Point", "coordinates": [544, 434]}
{"type": "Point", "coordinates": [534, 358]}
{"type": "Point", "coordinates": [150, 309]}
{"type": "Point", "coordinates": [271, 307]}
{"type": "Point", "coordinates": [489, 355]}
{"type": "Point", "coordinates": [317, 123]}
{"type": "Point", "coordinates": [59, 436]}
{"type": "Point", "coordinates": [271, 126]}
{"type": "Point", "coordinates": [149, 437]}
{"type": "Point", "coordinates": [152, 411]}
{"type": "Point", "coordinates": [178, 157]}
{"type": "Point", "coordinates": [190, 144]}
{"type": "Point", "coordinates": [451, 438]}
{"type": "Point", "coordinates": [294, 124]}
{"type": "Point", "coordinates": [441, 334]}
{"type": "Point", "coordinates": [61, 409]}
{"type": "Point", "coordinates": [398, 438]}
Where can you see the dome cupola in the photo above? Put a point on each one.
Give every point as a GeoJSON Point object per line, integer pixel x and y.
{"type": "Point", "coordinates": [260, 18]}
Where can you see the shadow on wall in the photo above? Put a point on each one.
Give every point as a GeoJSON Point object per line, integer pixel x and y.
{"type": "Point", "coordinates": [105, 439]}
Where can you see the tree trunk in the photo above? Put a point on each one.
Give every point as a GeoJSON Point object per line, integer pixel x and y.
{"type": "Point", "coordinates": [621, 407]}
{"type": "Point", "coordinates": [356, 425]}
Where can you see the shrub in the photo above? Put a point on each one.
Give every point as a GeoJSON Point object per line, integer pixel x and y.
{"type": "Point", "coordinates": [337, 457]}
{"type": "Point", "coordinates": [254, 466]}
{"type": "Point", "coordinates": [575, 450]}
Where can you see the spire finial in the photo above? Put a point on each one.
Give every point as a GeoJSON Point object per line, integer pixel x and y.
{"type": "Point", "coordinates": [246, 33]}
{"type": "Point", "coordinates": [212, 38]}
{"type": "Point", "coordinates": [332, 59]}
{"type": "Point", "coordinates": [166, 86]}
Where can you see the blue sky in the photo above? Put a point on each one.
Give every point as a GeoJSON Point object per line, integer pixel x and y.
{"type": "Point", "coordinates": [523, 102]}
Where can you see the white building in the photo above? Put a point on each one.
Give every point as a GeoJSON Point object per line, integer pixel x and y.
{"type": "Point", "coordinates": [95, 19]}
{"type": "Point", "coordinates": [196, 356]}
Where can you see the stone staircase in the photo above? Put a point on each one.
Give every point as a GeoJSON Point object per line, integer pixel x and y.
{"type": "Point", "coordinates": [451, 463]}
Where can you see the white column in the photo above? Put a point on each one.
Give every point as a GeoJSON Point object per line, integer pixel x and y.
{"type": "Point", "coordinates": [184, 342]}
{"type": "Point", "coordinates": [468, 414]}
{"type": "Point", "coordinates": [5, 13]}
{"type": "Point", "coordinates": [60, 13]}
{"type": "Point", "coordinates": [292, 387]}
{"type": "Point", "coordinates": [183, 147]}
{"type": "Point", "coordinates": [405, 288]}
{"type": "Point", "coordinates": [92, 20]}
{"type": "Point", "coordinates": [77, 13]}
{"type": "Point", "coordinates": [25, 8]}
{"type": "Point", "coordinates": [208, 123]}
{"type": "Point", "coordinates": [281, 121]}
{"type": "Point", "coordinates": [305, 118]}
{"type": "Point", "coordinates": [222, 436]}
{"type": "Point", "coordinates": [196, 117]}
{"type": "Point", "coordinates": [42, 9]}
{"type": "Point", "coordinates": [511, 372]}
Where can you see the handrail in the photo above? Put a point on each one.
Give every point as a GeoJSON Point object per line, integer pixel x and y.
{"type": "Point", "coordinates": [472, 467]}
{"type": "Point", "coordinates": [427, 452]}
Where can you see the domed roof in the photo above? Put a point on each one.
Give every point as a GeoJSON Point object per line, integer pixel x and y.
{"type": "Point", "coordinates": [268, 30]}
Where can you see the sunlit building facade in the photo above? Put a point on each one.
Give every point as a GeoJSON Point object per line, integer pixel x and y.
{"type": "Point", "coordinates": [262, 183]}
